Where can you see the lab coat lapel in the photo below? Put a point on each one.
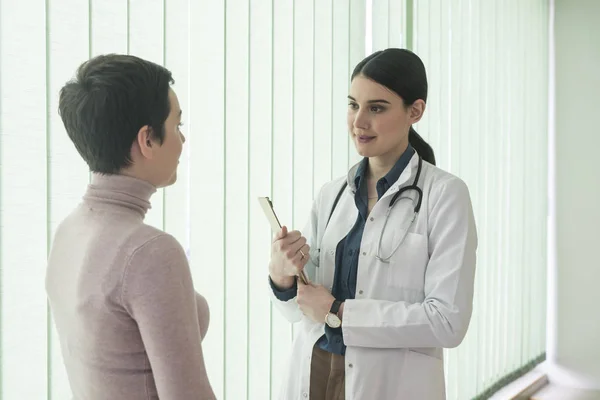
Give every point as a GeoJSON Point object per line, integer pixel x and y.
{"type": "Point", "coordinates": [342, 220]}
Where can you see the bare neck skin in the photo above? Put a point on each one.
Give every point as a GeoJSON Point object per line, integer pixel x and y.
{"type": "Point", "coordinates": [379, 166]}
{"type": "Point", "coordinates": [138, 173]}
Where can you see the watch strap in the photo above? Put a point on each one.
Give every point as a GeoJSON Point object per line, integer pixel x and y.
{"type": "Point", "coordinates": [335, 307]}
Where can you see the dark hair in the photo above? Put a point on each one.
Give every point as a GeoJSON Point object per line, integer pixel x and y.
{"type": "Point", "coordinates": [110, 99]}
{"type": "Point", "coordinates": [403, 72]}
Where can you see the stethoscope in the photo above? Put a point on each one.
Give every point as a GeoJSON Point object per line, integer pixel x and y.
{"type": "Point", "coordinates": [396, 196]}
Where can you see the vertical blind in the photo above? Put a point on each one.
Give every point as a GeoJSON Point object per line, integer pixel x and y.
{"type": "Point", "coordinates": [263, 86]}
{"type": "Point", "coordinates": [487, 119]}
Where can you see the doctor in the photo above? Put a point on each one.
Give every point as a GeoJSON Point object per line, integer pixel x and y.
{"type": "Point", "coordinates": [390, 250]}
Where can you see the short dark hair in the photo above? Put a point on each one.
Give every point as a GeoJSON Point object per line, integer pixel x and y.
{"type": "Point", "coordinates": [403, 72]}
{"type": "Point", "coordinates": [110, 99]}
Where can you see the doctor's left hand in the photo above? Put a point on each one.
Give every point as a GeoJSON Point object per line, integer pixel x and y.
{"type": "Point", "coordinates": [314, 301]}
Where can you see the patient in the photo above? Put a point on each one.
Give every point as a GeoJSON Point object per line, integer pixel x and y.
{"type": "Point", "coordinates": [129, 321]}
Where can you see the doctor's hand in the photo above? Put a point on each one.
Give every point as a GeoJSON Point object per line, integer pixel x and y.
{"type": "Point", "coordinates": [314, 300]}
{"type": "Point", "coordinates": [289, 255]}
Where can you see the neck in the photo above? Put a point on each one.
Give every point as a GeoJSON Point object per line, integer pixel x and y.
{"type": "Point", "coordinates": [379, 166]}
{"type": "Point", "coordinates": [140, 173]}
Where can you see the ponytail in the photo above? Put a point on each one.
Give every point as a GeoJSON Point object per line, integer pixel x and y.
{"type": "Point", "coordinates": [421, 147]}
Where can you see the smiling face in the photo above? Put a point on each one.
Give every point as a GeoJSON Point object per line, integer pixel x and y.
{"type": "Point", "coordinates": [378, 120]}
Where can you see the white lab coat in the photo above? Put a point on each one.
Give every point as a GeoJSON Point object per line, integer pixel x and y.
{"type": "Point", "coordinates": [405, 312]}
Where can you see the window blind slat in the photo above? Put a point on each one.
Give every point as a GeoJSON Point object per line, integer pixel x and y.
{"type": "Point", "coordinates": [381, 24]}
{"type": "Point", "coordinates": [265, 362]}
{"type": "Point", "coordinates": [340, 79]}
{"type": "Point", "coordinates": [68, 176]}
{"type": "Point", "coordinates": [23, 201]}
{"type": "Point", "coordinates": [397, 23]}
{"type": "Point", "coordinates": [281, 161]}
{"type": "Point", "coordinates": [207, 149]}
{"type": "Point", "coordinates": [302, 112]}
{"type": "Point", "coordinates": [322, 95]}
{"type": "Point", "coordinates": [109, 26]}
{"type": "Point", "coordinates": [236, 196]}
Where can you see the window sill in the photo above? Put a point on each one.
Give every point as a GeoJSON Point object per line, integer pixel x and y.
{"type": "Point", "coordinates": [524, 387]}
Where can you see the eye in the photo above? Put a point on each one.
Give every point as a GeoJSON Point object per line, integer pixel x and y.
{"type": "Point", "coordinates": [353, 106]}
{"type": "Point", "coordinates": [377, 109]}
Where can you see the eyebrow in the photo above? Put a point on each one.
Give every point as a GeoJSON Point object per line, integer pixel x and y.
{"type": "Point", "coordinates": [371, 101]}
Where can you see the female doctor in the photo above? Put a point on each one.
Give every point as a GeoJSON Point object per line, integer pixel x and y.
{"type": "Point", "coordinates": [390, 252]}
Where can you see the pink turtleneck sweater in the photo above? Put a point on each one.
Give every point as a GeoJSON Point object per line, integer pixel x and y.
{"type": "Point", "coordinates": [129, 321]}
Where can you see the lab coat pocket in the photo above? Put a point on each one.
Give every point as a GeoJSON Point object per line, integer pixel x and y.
{"type": "Point", "coordinates": [407, 265]}
{"type": "Point", "coordinates": [423, 376]}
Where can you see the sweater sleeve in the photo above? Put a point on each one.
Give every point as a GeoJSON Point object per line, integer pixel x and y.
{"type": "Point", "coordinates": [158, 293]}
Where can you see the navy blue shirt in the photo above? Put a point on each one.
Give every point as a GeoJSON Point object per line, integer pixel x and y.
{"type": "Point", "coordinates": [348, 249]}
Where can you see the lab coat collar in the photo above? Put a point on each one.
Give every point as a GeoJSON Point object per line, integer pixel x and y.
{"type": "Point", "coordinates": [409, 171]}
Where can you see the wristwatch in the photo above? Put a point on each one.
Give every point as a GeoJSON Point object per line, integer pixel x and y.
{"type": "Point", "coordinates": [332, 319]}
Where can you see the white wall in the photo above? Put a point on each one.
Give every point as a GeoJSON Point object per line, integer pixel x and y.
{"type": "Point", "coordinates": [575, 348]}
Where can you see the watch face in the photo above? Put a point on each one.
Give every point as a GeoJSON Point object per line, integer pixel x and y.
{"type": "Point", "coordinates": [333, 321]}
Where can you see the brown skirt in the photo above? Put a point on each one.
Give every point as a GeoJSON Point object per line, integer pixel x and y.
{"type": "Point", "coordinates": [327, 376]}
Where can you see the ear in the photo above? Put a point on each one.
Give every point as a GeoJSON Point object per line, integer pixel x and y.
{"type": "Point", "coordinates": [417, 109]}
{"type": "Point", "coordinates": [145, 143]}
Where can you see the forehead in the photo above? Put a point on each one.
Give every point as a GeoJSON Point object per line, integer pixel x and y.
{"type": "Point", "coordinates": [174, 102]}
{"type": "Point", "coordinates": [364, 89]}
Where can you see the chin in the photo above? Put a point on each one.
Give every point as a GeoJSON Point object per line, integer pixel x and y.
{"type": "Point", "coordinates": [365, 151]}
{"type": "Point", "coordinates": [172, 180]}
{"type": "Point", "coordinates": [168, 182]}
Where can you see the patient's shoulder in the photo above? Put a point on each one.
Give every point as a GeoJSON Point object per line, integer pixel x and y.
{"type": "Point", "coordinates": [150, 242]}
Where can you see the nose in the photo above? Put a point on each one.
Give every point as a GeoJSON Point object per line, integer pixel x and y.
{"type": "Point", "coordinates": [182, 137]}
{"type": "Point", "coordinates": [361, 120]}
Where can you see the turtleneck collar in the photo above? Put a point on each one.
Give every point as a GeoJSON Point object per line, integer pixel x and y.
{"type": "Point", "coordinates": [121, 190]}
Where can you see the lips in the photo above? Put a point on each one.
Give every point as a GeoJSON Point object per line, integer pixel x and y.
{"type": "Point", "coordinates": [364, 138]}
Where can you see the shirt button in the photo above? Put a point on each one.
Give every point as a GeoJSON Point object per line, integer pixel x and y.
{"type": "Point", "coordinates": [360, 292]}
{"type": "Point", "coordinates": [305, 395]}
{"type": "Point", "coordinates": [332, 252]}
{"type": "Point", "coordinates": [372, 219]}
{"type": "Point", "coordinates": [350, 365]}
{"type": "Point", "coordinates": [364, 253]}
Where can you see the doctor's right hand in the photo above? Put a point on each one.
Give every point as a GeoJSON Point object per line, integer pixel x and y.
{"type": "Point", "coordinates": [289, 255]}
